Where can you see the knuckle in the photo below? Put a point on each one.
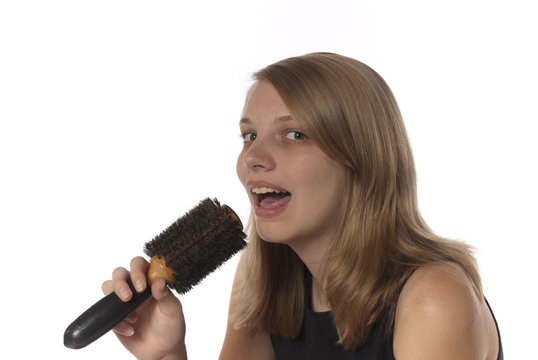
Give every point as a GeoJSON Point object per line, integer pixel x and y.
{"type": "Point", "coordinates": [138, 262]}
{"type": "Point", "coordinates": [107, 286]}
{"type": "Point", "coordinates": [119, 271]}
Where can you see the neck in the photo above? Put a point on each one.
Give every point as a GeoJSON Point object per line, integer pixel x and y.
{"type": "Point", "coordinates": [314, 256]}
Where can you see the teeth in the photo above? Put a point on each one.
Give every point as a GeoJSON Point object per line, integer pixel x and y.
{"type": "Point", "coordinates": [264, 190]}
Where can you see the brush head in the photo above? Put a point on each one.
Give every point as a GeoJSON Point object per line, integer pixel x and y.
{"type": "Point", "coordinates": [198, 243]}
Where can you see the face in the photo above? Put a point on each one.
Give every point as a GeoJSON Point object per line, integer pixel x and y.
{"type": "Point", "coordinates": [295, 189]}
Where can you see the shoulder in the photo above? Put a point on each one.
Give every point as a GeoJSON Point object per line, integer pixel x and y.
{"type": "Point", "coordinates": [441, 315]}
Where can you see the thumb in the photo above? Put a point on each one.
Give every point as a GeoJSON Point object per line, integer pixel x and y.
{"type": "Point", "coordinates": [169, 305]}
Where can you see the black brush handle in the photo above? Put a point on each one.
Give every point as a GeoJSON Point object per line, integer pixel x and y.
{"type": "Point", "coordinates": [101, 318]}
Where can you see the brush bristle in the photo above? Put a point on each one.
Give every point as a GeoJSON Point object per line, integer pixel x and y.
{"type": "Point", "coordinates": [198, 243]}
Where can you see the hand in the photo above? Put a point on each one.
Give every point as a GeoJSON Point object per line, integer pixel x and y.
{"type": "Point", "coordinates": [156, 330]}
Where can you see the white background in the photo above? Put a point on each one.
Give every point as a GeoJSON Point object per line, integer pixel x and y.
{"type": "Point", "coordinates": [119, 116]}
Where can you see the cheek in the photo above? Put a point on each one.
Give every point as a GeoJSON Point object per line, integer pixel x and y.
{"type": "Point", "coordinates": [322, 174]}
{"type": "Point", "coordinates": [328, 184]}
{"type": "Point", "coordinates": [240, 168]}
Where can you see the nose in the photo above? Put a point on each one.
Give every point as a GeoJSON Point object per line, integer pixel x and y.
{"type": "Point", "coordinates": [258, 155]}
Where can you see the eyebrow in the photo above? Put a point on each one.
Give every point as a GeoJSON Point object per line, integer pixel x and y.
{"type": "Point", "coordinates": [284, 118]}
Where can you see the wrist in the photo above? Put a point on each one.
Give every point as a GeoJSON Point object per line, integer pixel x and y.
{"type": "Point", "coordinates": [180, 354]}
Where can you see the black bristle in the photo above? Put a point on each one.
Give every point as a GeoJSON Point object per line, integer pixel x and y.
{"type": "Point", "coordinates": [198, 243]}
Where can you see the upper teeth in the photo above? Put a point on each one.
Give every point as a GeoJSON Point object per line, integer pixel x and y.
{"type": "Point", "coordinates": [264, 190]}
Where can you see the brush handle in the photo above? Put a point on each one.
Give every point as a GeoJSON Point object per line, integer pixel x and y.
{"type": "Point", "coordinates": [102, 317]}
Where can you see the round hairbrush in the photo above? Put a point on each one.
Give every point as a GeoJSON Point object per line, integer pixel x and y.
{"type": "Point", "coordinates": [183, 254]}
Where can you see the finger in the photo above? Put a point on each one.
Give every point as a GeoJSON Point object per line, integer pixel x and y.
{"type": "Point", "coordinates": [169, 305]}
{"type": "Point", "coordinates": [107, 287]}
{"type": "Point", "coordinates": [119, 283]}
{"type": "Point", "coordinates": [139, 268]}
{"type": "Point", "coordinates": [132, 317]}
{"type": "Point", "coordinates": [124, 329]}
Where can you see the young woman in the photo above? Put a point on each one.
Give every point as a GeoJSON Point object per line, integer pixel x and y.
{"type": "Point", "coordinates": [340, 264]}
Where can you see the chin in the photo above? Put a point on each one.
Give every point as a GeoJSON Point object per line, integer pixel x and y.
{"type": "Point", "coordinates": [272, 238]}
{"type": "Point", "coordinates": [272, 233]}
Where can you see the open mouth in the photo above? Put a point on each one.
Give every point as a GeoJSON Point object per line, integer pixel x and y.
{"type": "Point", "coordinates": [268, 198]}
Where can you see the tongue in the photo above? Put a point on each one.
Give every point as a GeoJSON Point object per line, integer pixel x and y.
{"type": "Point", "coordinates": [275, 201]}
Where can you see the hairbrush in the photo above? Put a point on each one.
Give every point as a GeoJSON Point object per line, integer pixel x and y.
{"type": "Point", "coordinates": [183, 254]}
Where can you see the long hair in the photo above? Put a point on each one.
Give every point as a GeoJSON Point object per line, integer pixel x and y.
{"type": "Point", "coordinates": [349, 111]}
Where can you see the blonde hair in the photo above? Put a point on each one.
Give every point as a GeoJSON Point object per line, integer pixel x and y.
{"type": "Point", "coordinates": [349, 111]}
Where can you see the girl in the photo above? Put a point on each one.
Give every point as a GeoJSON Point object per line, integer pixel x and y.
{"type": "Point", "coordinates": [340, 264]}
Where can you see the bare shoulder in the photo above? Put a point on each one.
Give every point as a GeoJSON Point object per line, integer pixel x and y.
{"type": "Point", "coordinates": [441, 316]}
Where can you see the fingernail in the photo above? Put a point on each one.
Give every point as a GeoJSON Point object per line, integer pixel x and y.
{"type": "Point", "coordinates": [124, 294]}
{"type": "Point", "coordinates": [124, 330]}
{"type": "Point", "coordinates": [132, 317]}
{"type": "Point", "coordinates": [139, 284]}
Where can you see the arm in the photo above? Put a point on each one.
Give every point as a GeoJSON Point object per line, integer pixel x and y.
{"type": "Point", "coordinates": [238, 343]}
{"type": "Point", "coordinates": [440, 316]}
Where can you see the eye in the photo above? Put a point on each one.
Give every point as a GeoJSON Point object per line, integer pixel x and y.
{"type": "Point", "coordinates": [248, 136]}
{"type": "Point", "coordinates": [295, 135]}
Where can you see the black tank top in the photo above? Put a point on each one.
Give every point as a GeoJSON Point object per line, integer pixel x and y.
{"type": "Point", "coordinates": [318, 337]}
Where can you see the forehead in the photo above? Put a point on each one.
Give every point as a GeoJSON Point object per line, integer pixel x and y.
{"type": "Point", "coordinates": [264, 101]}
